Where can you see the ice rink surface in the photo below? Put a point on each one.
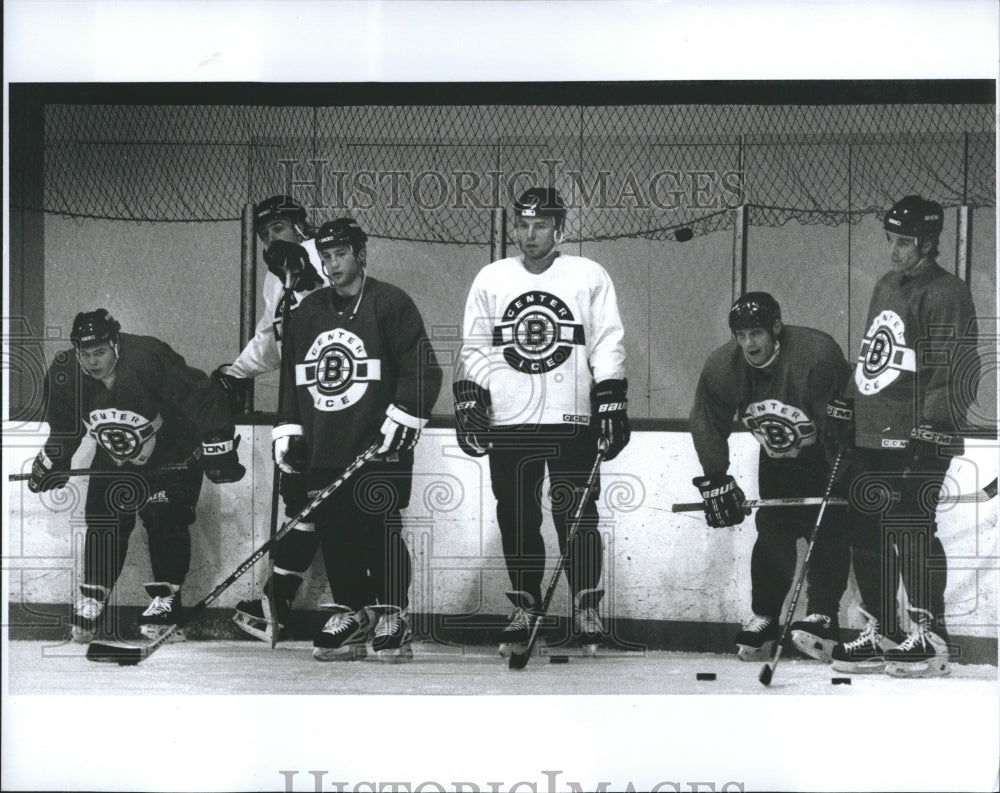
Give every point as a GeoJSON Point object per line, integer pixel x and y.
{"type": "Point", "coordinates": [241, 667]}
{"type": "Point", "coordinates": [236, 715]}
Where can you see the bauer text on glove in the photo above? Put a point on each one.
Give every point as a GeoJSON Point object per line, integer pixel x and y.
{"type": "Point", "coordinates": [609, 405]}
{"type": "Point", "coordinates": [723, 500]}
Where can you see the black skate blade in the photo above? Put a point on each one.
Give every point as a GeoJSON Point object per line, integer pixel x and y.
{"type": "Point", "coordinates": [766, 674]}
{"type": "Point", "coordinates": [122, 655]}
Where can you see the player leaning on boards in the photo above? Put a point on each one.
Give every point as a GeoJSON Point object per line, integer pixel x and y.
{"type": "Point", "coordinates": [287, 237]}
{"type": "Point", "coordinates": [360, 368]}
{"type": "Point", "coordinates": [777, 380]}
{"type": "Point", "coordinates": [912, 387]}
{"type": "Point", "coordinates": [541, 380]}
{"type": "Point", "coordinates": [145, 408]}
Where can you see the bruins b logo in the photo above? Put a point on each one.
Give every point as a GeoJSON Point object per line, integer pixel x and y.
{"type": "Point", "coordinates": [537, 333]}
{"type": "Point", "coordinates": [337, 370]}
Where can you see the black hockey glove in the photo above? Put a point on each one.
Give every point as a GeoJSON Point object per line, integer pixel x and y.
{"type": "Point", "coordinates": [723, 500]}
{"type": "Point", "coordinates": [472, 417]}
{"type": "Point", "coordinates": [838, 429]}
{"type": "Point", "coordinates": [400, 430]}
{"type": "Point", "coordinates": [219, 459]}
{"type": "Point", "coordinates": [45, 475]}
{"type": "Point", "coordinates": [237, 388]}
{"type": "Point", "coordinates": [930, 451]}
{"type": "Point", "coordinates": [289, 448]}
{"type": "Point", "coordinates": [283, 257]}
{"type": "Point", "coordinates": [609, 417]}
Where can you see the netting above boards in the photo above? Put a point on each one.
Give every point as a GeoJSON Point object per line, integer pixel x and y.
{"type": "Point", "coordinates": [433, 173]}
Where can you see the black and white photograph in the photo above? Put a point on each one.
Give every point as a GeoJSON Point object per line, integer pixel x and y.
{"type": "Point", "coordinates": [500, 396]}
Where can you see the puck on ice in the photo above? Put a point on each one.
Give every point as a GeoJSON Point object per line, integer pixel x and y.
{"type": "Point", "coordinates": [705, 676]}
{"type": "Point", "coordinates": [840, 681]}
{"type": "Point", "coordinates": [558, 659]}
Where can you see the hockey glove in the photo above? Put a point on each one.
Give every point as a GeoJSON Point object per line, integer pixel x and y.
{"type": "Point", "coordinates": [472, 417]}
{"type": "Point", "coordinates": [609, 405]}
{"type": "Point", "coordinates": [45, 476]}
{"type": "Point", "coordinates": [237, 388]}
{"type": "Point", "coordinates": [723, 500]}
{"type": "Point", "coordinates": [284, 257]}
{"type": "Point", "coordinates": [838, 430]}
{"type": "Point", "coordinates": [289, 448]}
{"type": "Point", "coordinates": [930, 451]}
{"type": "Point", "coordinates": [219, 459]}
{"type": "Point", "coordinates": [400, 431]}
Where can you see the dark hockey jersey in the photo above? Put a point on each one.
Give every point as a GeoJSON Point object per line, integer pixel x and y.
{"type": "Point", "coordinates": [344, 370]}
{"type": "Point", "coordinates": [156, 413]}
{"type": "Point", "coordinates": [782, 404]}
{"type": "Point", "coordinates": [918, 361]}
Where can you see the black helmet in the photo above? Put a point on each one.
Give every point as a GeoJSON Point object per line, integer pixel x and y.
{"type": "Point", "coordinates": [541, 202]}
{"type": "Point", "coordinates": [914, 216]}
{"type": "Point", "coordinates": [342, 231]}
{"type": "Point", "coordinates": [94, 327]}
{"type": "Point", "coordinates": [279, 207]}
{"type": "Point", "coordinates": [754, 310]}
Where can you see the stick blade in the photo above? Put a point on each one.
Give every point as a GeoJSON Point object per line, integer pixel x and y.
{"type": "Point", "coordinates": [766, 673]}
{"type": "Point", "coordinates": [122, 655]}
{"type": "Point", "coordinates": [518, 660]}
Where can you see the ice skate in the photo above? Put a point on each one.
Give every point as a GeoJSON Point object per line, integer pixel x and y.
{"type": "Point", "coordinates": [391, 638]}
{"type": "Point", "coordinates": [255, 616]}
{"type": "Point", "coordinates": [163, 612]}
{"type": "Point", "coordinates": [816, 636]}
{"type": "Point", "coordinates": [921, 654]}
{"type": "Point", "coordinates": [866, 654]}
{"type": "Point", "coordinates": [345, 635]}
{"type": "Point", "coordinates": [757, 639]}
{"type": "Point", "coordinates": [586, 621]}
{"type": "Point", "coordinates": [87, 613]}
{"type": "Point", "coordinates": [514, 638]}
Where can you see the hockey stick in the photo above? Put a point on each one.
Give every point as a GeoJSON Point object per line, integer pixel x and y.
{"type": "Point", "coordinates": [163, 469]}
{"type": "Point", "coordinates": [767, 672]}
{"type": "Point", "coordinates": [987, 493]}
{"type": "Point", "coordinates": [520, 660]}
{"type": "Point", "coordinates": [125, 655]}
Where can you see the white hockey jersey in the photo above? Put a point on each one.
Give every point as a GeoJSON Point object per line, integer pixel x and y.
{"type": "Point", "coordinates": [537, 343]}
{"type": "Point", "coordinates": [263, 353]}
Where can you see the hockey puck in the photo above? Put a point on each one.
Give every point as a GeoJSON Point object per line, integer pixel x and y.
{"type": "Point", "coordinates": [128, 662]}
{"type": "Point", "coordinates": [558, 659]}
{"type": "Point", "coordinates": [684, 234]}
{"type": "Point", "coordinates": [840, 681]}
{"type": "Point", "coordinates": [705, 676]}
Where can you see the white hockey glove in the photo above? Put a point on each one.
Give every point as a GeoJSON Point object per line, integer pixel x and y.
{"type": "Point", "coordinates": [289, 448]}
{"type": "Point", "coordinates": [400, 431]}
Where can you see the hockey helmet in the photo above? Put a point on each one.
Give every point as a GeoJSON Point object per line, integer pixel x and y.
{"type": "Point", "coordinates": [754, 310]}
{"type": "Point", "coordinates": [342, 231]}
{"type": "Point", "coordinates": [914, 216]}
{"type": "Point", "coordinates": [279, 207]}
{"type": "Point", "coordinates": [94, 327]}
{"type": "Point", "coordinates": [541, 202]}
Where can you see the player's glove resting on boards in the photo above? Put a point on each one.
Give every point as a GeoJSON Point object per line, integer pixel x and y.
{"type": "Point", "coordinates": [219, 459]}
{"type": "Point", "coordinates": [472, 417]}
{"type": "Point", "coordinates": [400, 430]}
{"type": "Point", "coordinates": [927, 448]}
{"type": "Point", "coordinates": [838, 430]}
{"type": "Point", "coordinates": [610, 415]}
{"type": "Point", "coordinates": [723, 500]}
{"type": "Point", "coordinates": [284, 257]}
{"type": "Point", "coordinates": [237, 388]}
{"type": "Point", "coordinates": [45, 475]}
{"type": "Point", "coordinates": [289, 448]}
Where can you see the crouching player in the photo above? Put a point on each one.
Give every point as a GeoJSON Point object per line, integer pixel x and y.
{"type": "Point", "coordinates": [146, 409]}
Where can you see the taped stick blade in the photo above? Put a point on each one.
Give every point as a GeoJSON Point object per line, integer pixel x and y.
{"type": "Point", "coordinates": [123, 655]}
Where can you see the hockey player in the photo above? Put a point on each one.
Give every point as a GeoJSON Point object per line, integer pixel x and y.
{"type": "Point", "coordinates": [287, 237]}
{"type": "Point", "coordinates": [777, 380]}
{"type": "Point", "coordinates": [145, 408]}
{"type": "Point", "coordinates": [901, 417]}
{"type": "Point", "coordinates": [541, 381]}
{"type": "Point", "coordinates": [360, 368]}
